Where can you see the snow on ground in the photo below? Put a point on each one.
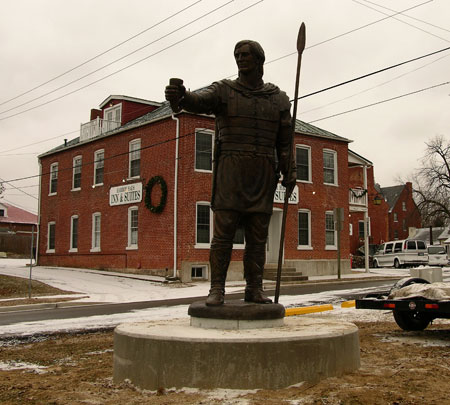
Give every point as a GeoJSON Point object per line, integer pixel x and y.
{"type": "Point", "coordinates": [101, 288]}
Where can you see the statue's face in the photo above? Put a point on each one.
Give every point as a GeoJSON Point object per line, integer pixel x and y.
{"type": "Point", "coordinates": [245, 60]}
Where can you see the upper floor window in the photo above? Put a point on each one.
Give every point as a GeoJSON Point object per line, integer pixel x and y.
{"type": "Point", "coordinates": [203, 150]}
{"type": "Point", "coordinates": [99, 164]}
{"type": "Point", "coordinates": [53, 178]}
{"type": "Point", "coordinates": [76, 177]}
{"type": "Point", "coordinates": [135, 158]}
{"type": "Point", "coordinates": [112, 118]}
{"type": "Point", "coordinates": [74, 233]}
{"type": "Point", "coordinates": [132, 228]}
{"type": "Point", "coordinates": [403, 205]}
{"type": "Point", "coordinates": [329, 167]}
{"type": "Point", "coordinates": [395, 217]}
{"type": "Point", "coordinates": [303, 160]}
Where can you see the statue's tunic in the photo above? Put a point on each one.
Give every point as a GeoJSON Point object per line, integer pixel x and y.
{"type": "Point", "coordinates": [253, 132]}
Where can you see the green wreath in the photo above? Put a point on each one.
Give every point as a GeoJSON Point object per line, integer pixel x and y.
{"type": "Point", "coordinates": [148, 194]}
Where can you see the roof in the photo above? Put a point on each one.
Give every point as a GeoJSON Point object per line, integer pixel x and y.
{"type": "Point", "coordinates": [16, 215]}
{"type": "Point", "coordinates": [445, 234]}
{"type": "Point", "coordinates": [356, 159]}
{"type": "Point", "coordinates": [424, 234]}
{"type": "Point", "coordinates": [164, 111]}
{"type": "Point", "coordinates": [391, 194]}
{"type": "Point", "coordinates": [127, 98]}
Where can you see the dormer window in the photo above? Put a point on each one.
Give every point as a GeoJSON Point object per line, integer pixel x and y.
{"type": "Point", "coordinates": [112, 117]}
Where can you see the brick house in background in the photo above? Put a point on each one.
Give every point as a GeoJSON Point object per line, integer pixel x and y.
{"type": "Point", "coordinates": [16, 227]}
{"type": "Point", "coordinates": [363, 195]}
{"type": "Point", "coordinates": [403, 211]}
{"type": "Point", "coordinates": [97, 191]}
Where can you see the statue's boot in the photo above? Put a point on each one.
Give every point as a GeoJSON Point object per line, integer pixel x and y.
{"type": "Point", "coordinates": [254, 259]}
{"type": "Point", "coordinates": [219, 259]}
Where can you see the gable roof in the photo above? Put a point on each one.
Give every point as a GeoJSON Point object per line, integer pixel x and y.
{"type": "Point", "coordinates": [16, 215]}
{"type": "Point", "coordinates": [391, 194]}
{"type": "Point", "coordinates": [424, 234]}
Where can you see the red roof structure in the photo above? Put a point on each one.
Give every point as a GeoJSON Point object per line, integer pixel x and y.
{"type": "Point", "coordinates": [14, 215]}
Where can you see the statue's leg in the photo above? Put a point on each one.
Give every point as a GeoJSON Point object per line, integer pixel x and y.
{"type": "Point", "coordinates": [225, 224]}
{"type": "Point", "coordinates": [256, 229]}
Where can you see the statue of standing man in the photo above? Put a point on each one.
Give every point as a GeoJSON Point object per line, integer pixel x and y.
{"type": "Point", "coordinates": [252, 141]}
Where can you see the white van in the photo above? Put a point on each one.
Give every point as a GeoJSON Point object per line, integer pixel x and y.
{"type": "Point", "coordinates": [401, 253]}
{"type": "Point", "coordinates": [437, 256]}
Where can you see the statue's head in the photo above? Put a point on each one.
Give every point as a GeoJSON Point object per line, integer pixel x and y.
{"type": "Point", "coordinates": [256, 52]}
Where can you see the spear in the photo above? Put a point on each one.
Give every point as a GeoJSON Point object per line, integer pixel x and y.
{"type": "Point", "coordinates": [301, 40]}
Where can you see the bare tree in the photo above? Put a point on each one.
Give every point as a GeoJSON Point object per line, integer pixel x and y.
{"type": "Point", "coordinates": [432, 183]}
{"type": "Point", "coordinates": [2, 190]}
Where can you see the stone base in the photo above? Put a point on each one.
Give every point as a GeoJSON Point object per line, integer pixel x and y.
{"type": "Point", "coordinates": [166, 354]}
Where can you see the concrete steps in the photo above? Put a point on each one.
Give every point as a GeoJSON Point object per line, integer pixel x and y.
{"type": "Point", "coordinates": [288, 274]}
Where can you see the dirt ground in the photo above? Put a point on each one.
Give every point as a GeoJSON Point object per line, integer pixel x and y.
{"type": "Point", "coordinates": [397, 367]}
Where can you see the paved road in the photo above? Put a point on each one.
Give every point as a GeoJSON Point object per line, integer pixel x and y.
{"type": "Point", "coordinates": [78, 311]}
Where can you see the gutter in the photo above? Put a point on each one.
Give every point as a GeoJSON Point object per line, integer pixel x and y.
{"type": "Point", "coordinates": [175, 196]}
{"type": "Point", "coordinates": [38, 232]}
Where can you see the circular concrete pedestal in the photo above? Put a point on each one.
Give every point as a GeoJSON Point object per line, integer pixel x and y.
{"type": "Point", "coordinates": [166, 354]}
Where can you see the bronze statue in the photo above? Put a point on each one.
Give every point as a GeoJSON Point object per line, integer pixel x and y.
{"type": "Point", "coordinates": [253, 137]}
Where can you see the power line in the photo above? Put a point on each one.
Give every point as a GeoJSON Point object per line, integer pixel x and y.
{"type": "Point", "coordinates": [116, 60]}
{"type": "Point", "coordinates": [380, 102]}
{"type": "Point", "coordinates": [134, 63]}
{"type": "Point", "coordinates": [102, 53]}
{"type": "Point", "coordinates": [16, 188]}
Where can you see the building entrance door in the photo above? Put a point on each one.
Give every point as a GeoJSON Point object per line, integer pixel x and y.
{"type": "Point", "coordinates": [273, 240]}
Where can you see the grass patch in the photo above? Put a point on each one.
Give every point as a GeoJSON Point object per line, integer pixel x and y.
{"type": "Point", "coordinates": [17, 287]}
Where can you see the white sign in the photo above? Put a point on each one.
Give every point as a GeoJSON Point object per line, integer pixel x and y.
{"type": "Point", "coordinates": [280, 193]}
{"type": "Point", "coordinates": [126, 194]}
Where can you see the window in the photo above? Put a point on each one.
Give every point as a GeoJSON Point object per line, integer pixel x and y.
{"type": "Point", "coordinates": [74, 233]}
{"type": "Point", "coordinates": [361, 229]}
{"type": "Point", "coordinates": [51, 231]}
{"type": "Point", "coordinates": [96, 228]}
{"type": "Point", "coordinates": [99, 163]}
{"type": "Point", "coordinates": [239, 236]}
{"type": "Point", "coordinates": [203, 150]}
{"type": "Point", "coordinates": [403, 205]}
{"type": "Point", "coordinates": [421, 244]}
{"type": "Point", "coordinates": [112, 118]}
{"type": "Point", "coordinates": [389, 248]}
{"type": "Point", "coordinates": [395, 217]}
{"type": "Point", "coordinates": [2, 212]}
{"type": "Point", "coordinates": [304, 229]}
{"type": "Point", "coordinates": [203, 224]}
{"type": "Point", "coordinates": [303, 160]}
{"type": "Point", "coordinates": [132, 228]}
{"type": "Point", "coordinates": [395, 234]}
{"type": "Point", "coordinates": [76, 178]}
{"type": "Point", "coordinates": [411, 245]}
{"type": "Point", "coordinates": [199, 272]}
{"type": "Point", "coordinates": [350, 229]}
{"type": "Point", "coordinates": [135, 158]}
{"type": "Point", "coordinates": [330, 233]}
{"type": "Point", "coordinates": [329, 167]}
{"type": "Point", "coordinates": [398, 247]}
{"type": "Point", "coordinates": [404, 224]}
{"type": "Point", "coordinates": [53, 178]}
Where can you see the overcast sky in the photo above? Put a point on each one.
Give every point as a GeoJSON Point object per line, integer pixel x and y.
{"type": "Point", "coordinates": [40, 40]}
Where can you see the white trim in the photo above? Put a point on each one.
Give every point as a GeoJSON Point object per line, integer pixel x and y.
{"type": "Point", "coordinates": [74, 167]}
{"type": "Point", "coordinates": [71, 248]}
{"type": "Point", "coordinates": [209, 132]}
{"type": "Point", "coordinates": [134, 142]}
{"type": "Point", "coordinates": [96, 248]}
{"type": "Point", "coordinates": [132, 99]}
{"type": "Point", "coordinates": [129, 245]}
{"type": "Point", "coordinates": [308, 148]}
{"type": "Point", "coordinates": [335, 163]}
{"type": "Point", "coordinates": [48, 236]}
{"type": "Point", "coordinates": [203, 245]}
{"type": "Point", "coordinates": [309, 246]}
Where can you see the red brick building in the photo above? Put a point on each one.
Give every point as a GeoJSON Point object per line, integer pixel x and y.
{"type": "Point", "coordinates": [403, 211]}
{"type": "Point", "coordinates": [133, 192]}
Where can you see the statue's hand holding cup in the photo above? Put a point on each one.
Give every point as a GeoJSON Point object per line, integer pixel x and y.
{"type": "Point", "coordinates": [174, 93]}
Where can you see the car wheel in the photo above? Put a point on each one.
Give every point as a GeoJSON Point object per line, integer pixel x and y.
{"type": "Point", "coordinates": [396, 264]}
{"type": "Point", "coordinates": [410, 320]}
{"type": "Point", "coordinates": [375, 264]}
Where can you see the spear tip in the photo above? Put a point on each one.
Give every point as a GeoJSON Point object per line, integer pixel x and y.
{"type": "Point", "coordinates": [301, 39]}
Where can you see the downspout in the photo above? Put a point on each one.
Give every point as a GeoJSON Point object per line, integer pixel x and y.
{"type": "Point", "coordinates": [175, 196]}
{"type": "Point", "coordinates": [366, 224]}
{"type": "Point", "coordinates": [38, 234]}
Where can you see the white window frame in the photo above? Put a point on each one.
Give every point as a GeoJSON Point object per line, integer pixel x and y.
{"type": "Point", "coordinates": [395, 217]}
{"type": "Point", "coordinates": [335, 171]}
{"type": "Point", "coordinates": [52, 250]}
{"type": "Point", "coordinates": [109, 125]}
{"type": "Point", "coordinates": [403, 205]}
{"type": "Point", "coordinates": [208, 132]}
{"type": "Point", "coordinates": [130, 245]}
{"type": "Point", "coordinates": [53, 173]}
{"type": "Point", "coordinates": [130, 152]}
{"type": "Point", "coordinates": [72, 248]}
{"type": "Point", "coordinates": [309, 246]}
{"type": "Point", "coordinates": [334, 246]}
{"type": "Point", "coordinates": [203, 245]}
{"type": "Point", "coordinates": [96, 166]}
{"type": "Point", "coordinates": [94, 246]}
{"type": "Point", "coordinates": [204, 268]}
{"type": "Point", "coordinates": [308, 148]}
{"type": "Point", "coordinates": [76, 167]}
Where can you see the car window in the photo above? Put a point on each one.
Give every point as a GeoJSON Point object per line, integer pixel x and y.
{"type": "Point", "coordinates": [436, 250]}
{"type": "Point", "coordinates": [380, 249]}
{"type": "Point", "coordinates": [389, 248]}
{"type": "Point", "coordinates": [398, 247]}
{"type": "Point", "coordinates": [421, 244]}
{"type": "Point", "coordinates": [411, 245]}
